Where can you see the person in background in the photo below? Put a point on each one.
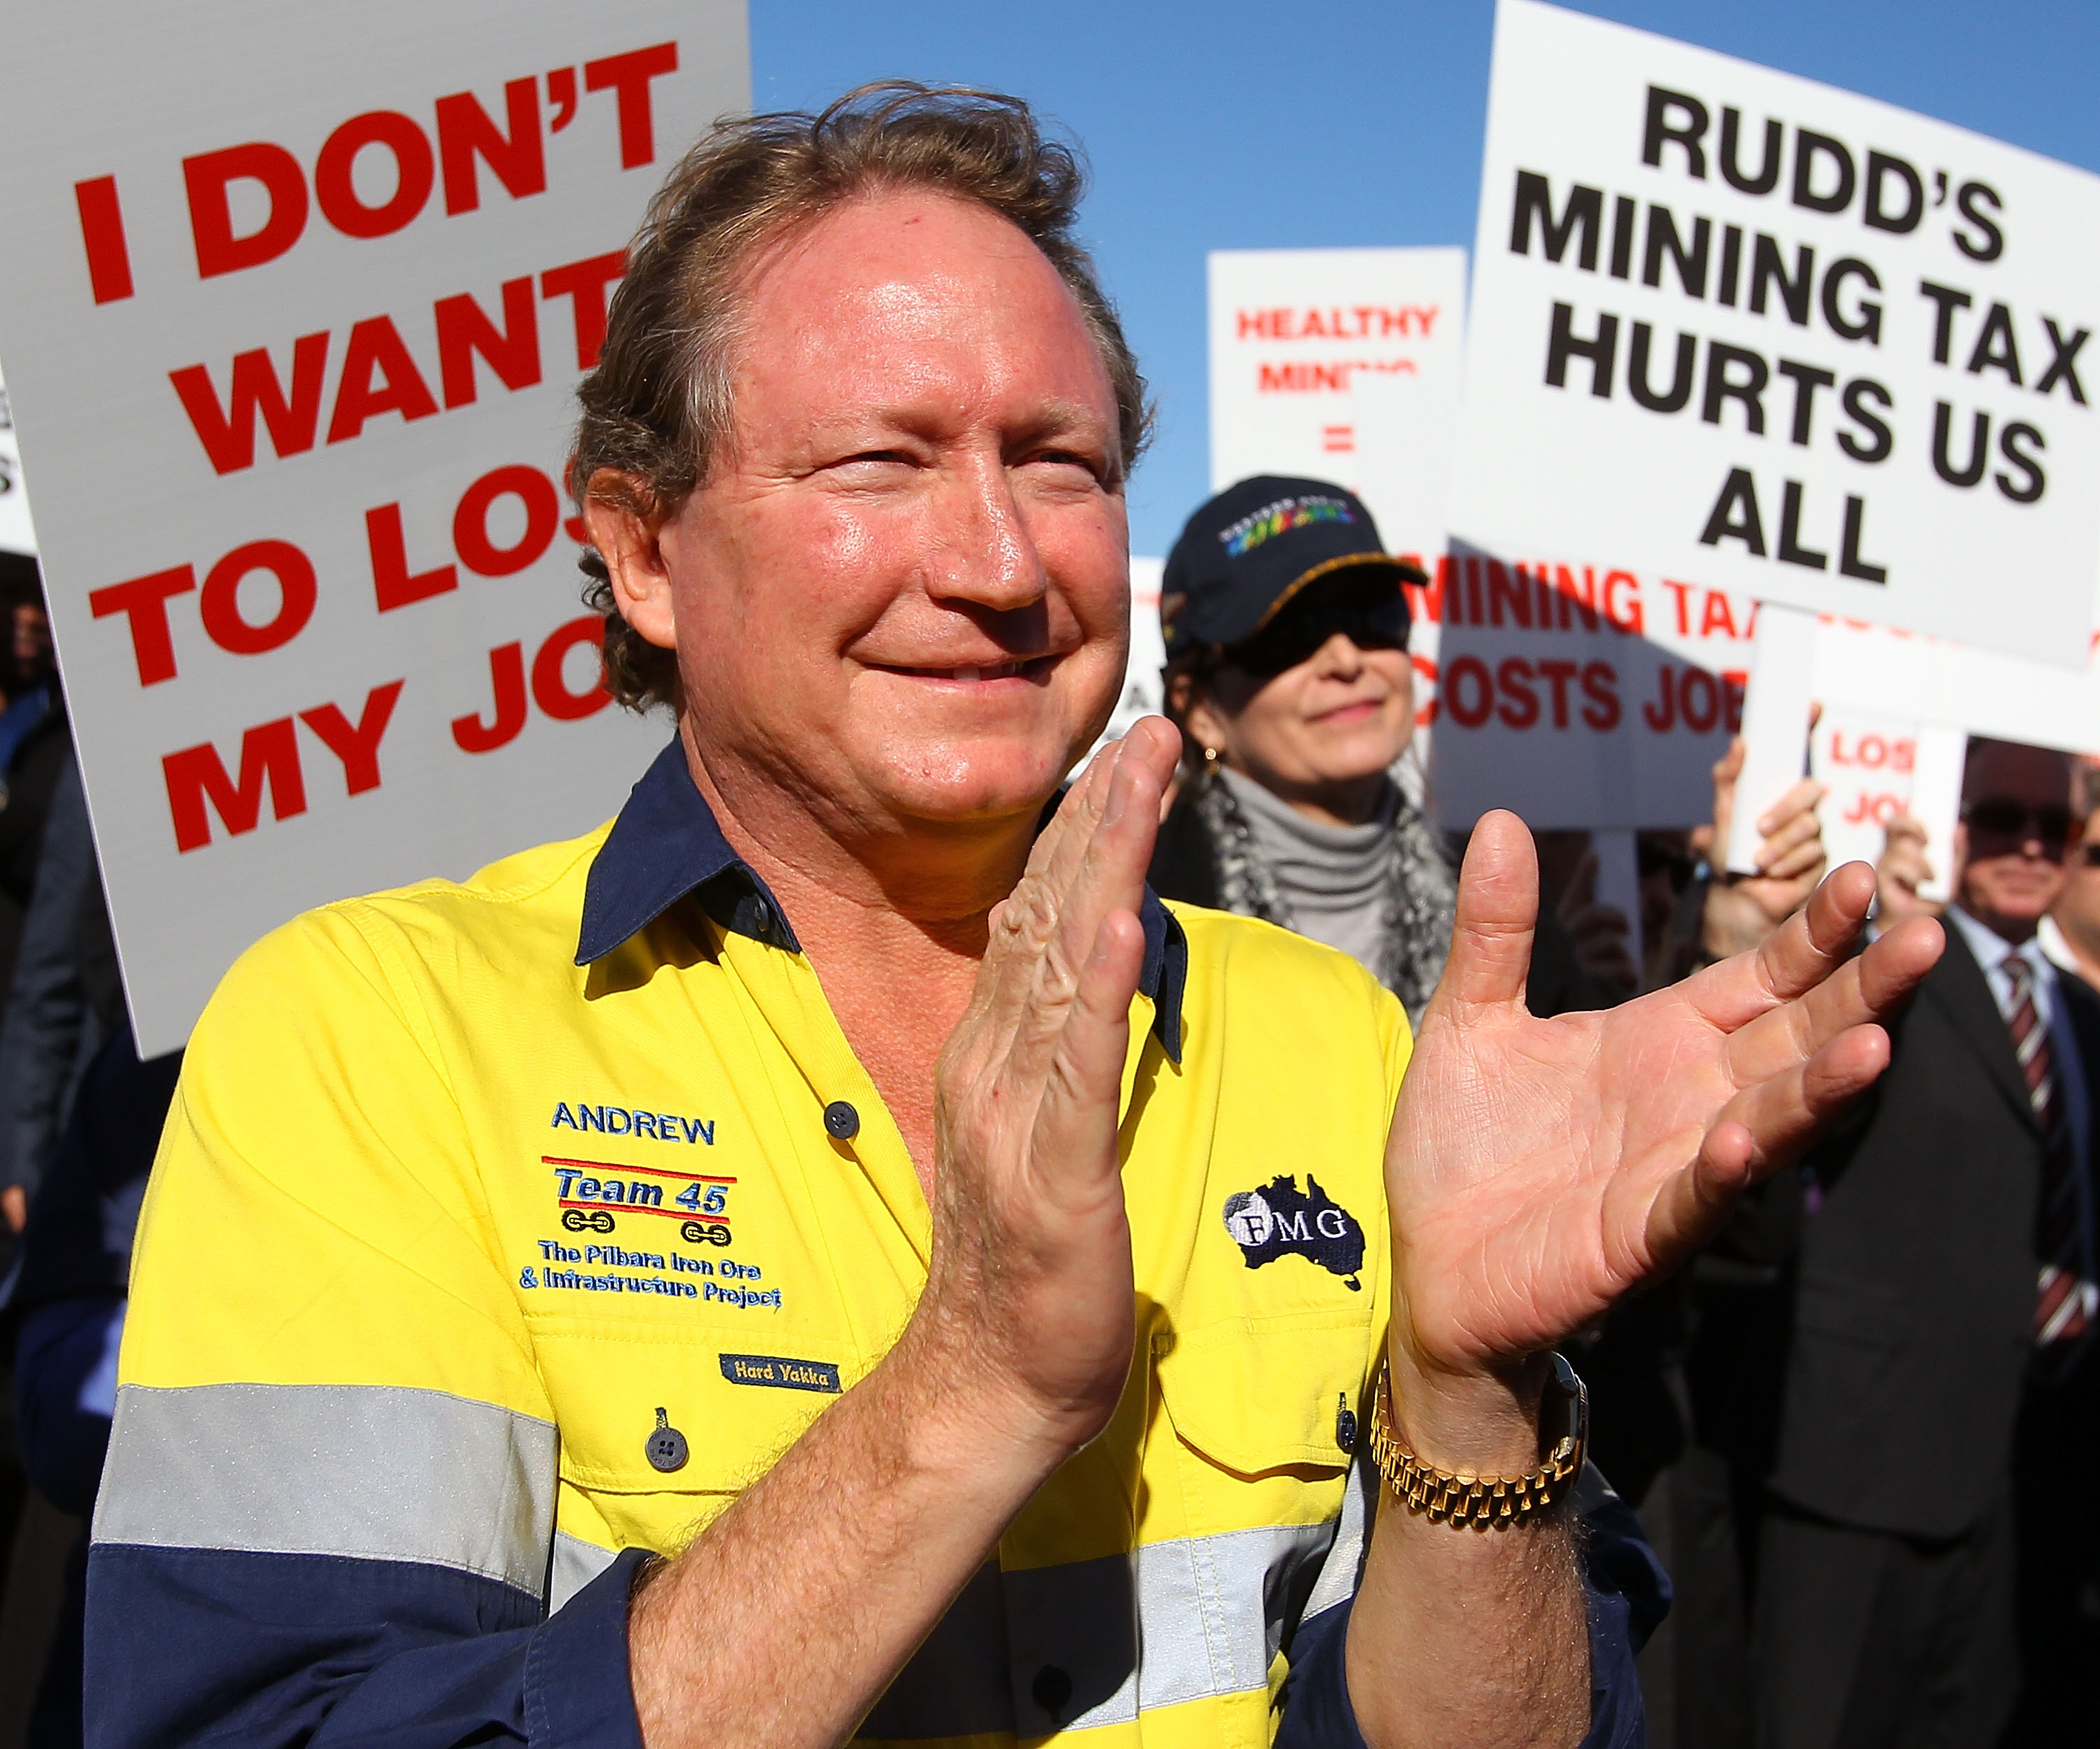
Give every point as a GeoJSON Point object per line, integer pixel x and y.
{"type": "Point", "coordinates": [64, 1318]}
{"type": "Point", "coordinates": [1935, 1450]}
{"type": "Point", "coordinates": [2070, 934]}
{"type": "Point", "coordinates": [1287, 673]}
{"type": "Point", "coordinates": [35, 741]}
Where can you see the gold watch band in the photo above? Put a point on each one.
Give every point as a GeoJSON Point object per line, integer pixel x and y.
{"type": "Point", "coordinates": [1463, 1499]}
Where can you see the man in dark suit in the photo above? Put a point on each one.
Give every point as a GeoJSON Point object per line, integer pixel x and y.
{"type": "Point", "coordinates": [1939, 1358]}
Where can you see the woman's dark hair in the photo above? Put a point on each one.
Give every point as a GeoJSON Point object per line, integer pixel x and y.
{"type": "Point", "coordinates": [656, 408]}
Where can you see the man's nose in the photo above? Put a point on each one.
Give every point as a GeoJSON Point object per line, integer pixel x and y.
{"type": "Point", "coordinates": [987, 554]}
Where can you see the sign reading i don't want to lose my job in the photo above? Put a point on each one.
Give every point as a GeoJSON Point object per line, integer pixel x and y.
{"type": "Point", "coordinates": [293, 309]}
{"type": "Point", "coordinates": [1744, 327]}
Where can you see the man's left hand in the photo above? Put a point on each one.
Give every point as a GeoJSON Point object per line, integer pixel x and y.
{"type": "Point", "coordinates": [1539, 1169]}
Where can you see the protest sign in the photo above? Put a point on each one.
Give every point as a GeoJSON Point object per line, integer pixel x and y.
{"type": "Point", "coordinates": [1341, 365]}
{"type": "Point", "coordinates": [1579, 694]}
{"type": "Point", "coordinates": [1731, 324]}
{"type": "Point", "coordinates": [293, 304]}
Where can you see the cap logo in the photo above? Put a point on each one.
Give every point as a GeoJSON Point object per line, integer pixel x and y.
{"type": "Point", "coordinates": [1244, 536]}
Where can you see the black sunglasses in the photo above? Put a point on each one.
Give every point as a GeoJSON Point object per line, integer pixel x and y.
{"type": "Point", "coordinates": [1374, 618]}
{"type": "Point", "coordinates": [2001, 817]}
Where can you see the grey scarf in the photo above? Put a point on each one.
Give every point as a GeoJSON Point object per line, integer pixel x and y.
{"type": "Point", "coordinates": [1420, 894]}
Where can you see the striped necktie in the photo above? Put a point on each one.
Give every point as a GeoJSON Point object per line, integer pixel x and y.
{"type": "Point", "coordinates": [2065, 1303]}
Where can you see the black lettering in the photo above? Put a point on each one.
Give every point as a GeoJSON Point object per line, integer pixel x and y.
{"type": "Point", "coordinates": [1991, 244]}
{"type": "Point", "coordinates": [2031, 489]}
{"type": "Point", "coordinates": [1623, 235]}
{"type": "Point", "coordinates": [1807, 379]}
{"type": "Point", "coordinates": [1881, 165]}
{"type": "Point", "coordinates": [1949, 300]}
{"type": "Point", "coordinates": [1866, 325]}
{"type": "Point", "coordinates": [1601, 351]}
{"type": "Point", "coordinates": [1850, 563]}
{"type": "Point", "coordinates": [1809, 146]}
{"type": "Point", "coordinates": [1688, 134]}
{"type": "Point", "coordinates": [1995, 348]}
{"type": "Point", "coordinates": [1791, 551]}
{"type": "Point", "coordinates": [1691, 265]}
{"type": "Point", "coordinates": [1979, 445]}
{"type": "Point", "coordinates": [1767, 176]}
{"type": "Point", "coordinates": [1534, 198]}
{"type": "Point", "coordinates": [1722, 385]}
{"type": "Point", "coordinates": [1881, 440]}
{"type": "Point", "coordinates": [2063, 367]}
{"type": "Point", "coordinates": [1680, 378]}
{"type": "Point", "coordinates": [1767, 269]}
{"type": "Point", "coordinates": [1731, 264]}
{"type": "Point", "coordinates": [1735, 516]}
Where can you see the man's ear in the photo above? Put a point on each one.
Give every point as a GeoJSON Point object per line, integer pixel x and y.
{"type": "Point", "coordinates": [630, 539]}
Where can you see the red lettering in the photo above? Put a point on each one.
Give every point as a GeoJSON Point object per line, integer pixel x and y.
{"type": "Point", "coordinates": [1467, 669]}
{"type": "Point", "coordinates": [356, 745]}
{"type": "Point", "coordinates": [1600, 686]}
{"type": "Point", "coordinates": [1735, 681]}
{"type": "Point", "coordinates": [393, 584]}
{"type": "Point", "coordinates": [1631, 620]}
{"type": "Point", "coordinates": [629, 75]}
{"type": "Point", "coordinates": [1519, 708]}
{"type": "Point", "coordinates": [102, 236]}
{"type": "Point", "coordinates": [1584, 601]}
{"type": "Point", "coordinates": [1700, 717]}
{"type": "Point", "coordinates": [1425, 601]}
{"type": "Point", "coordinates": [1559, 673]}
{"type": "Point", "coordinates": [466, 132]}
{"type": "Point", "coordinates": [1502, 592]}
{"type": "Point", "coordinates": [506, 669]}
{"type": "Point", "coordinates": [228, 433]}
{"type": "Point", "coordinates": [1903, 756]}
{"type": "Point", "coordinates": [205, 177]}
{"type": "Point", "coordinates": [144, 601]}
{"type": "Point", "coordinates": [543, 516]}
{"type": "Point", "coordinates": [1717, 617]}
{"type": "Point", "coordinates": [378, 376]}
{"type": "Point", "coordinates": [1660, 713]}
{"type": "Point", "coordinates": [584, 284]}
{"type": "Point", "coordinates": [219, 606]}
{"type": "Point", "coordinates": [269, 756]}
{"type": "Point", "coordinates": [550, 691]}
{"type": "Point", "coordinates": [463, 331]}
{"type": "Point", "coordinates": [415, 173]}
{"type": "Point", "coordinates": [1680, 590]}
{"type": "Point", "coordinates": [1425, 694]}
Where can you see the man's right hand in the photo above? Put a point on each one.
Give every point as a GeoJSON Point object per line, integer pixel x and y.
{"type": "Point", "coordinates": [1902, 867]}
{"type": "Point", "coordinates": [1029, 1288]}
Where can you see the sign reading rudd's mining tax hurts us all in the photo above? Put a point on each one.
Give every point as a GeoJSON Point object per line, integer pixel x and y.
{"type": "Point", "coordinates": [294, 305]}
{"type": "Point", "coordinates": [1737, 326]}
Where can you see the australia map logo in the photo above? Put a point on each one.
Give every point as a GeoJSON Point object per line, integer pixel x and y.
{"type": "Point", "coordinates": [1281, 1220]}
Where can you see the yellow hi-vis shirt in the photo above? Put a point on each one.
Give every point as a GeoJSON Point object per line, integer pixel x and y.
{"type": "Point", "coordinates": [461, 1254]}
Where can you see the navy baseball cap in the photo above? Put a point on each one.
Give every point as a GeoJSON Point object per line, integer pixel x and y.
{"type": "Point", "coordinates": [1254, 547]}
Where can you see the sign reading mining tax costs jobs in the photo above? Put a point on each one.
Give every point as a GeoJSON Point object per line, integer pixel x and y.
{"type": "Point", "coordinates": [1740, 327]}
{"type": "Point", "coordinates": [294, 306]}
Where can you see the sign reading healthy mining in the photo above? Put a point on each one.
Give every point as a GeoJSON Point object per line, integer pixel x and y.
{"type": "Point", "coordinates": [294, 305]}
{"type": "Point", "coordinates": [1739, 326]}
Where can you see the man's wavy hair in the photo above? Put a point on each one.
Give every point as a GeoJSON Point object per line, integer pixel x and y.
{"type": "Point", "coordinates": [655, 411]}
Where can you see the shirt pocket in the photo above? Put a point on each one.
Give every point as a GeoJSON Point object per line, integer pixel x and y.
{"type": "Point", "coordinates": [735, 1398]}
{"type": "Point", "coordinates": [1253, 1396]}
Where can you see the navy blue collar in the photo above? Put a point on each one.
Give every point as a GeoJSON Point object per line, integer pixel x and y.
{"type": "Point", "coordinates": [667, 844]}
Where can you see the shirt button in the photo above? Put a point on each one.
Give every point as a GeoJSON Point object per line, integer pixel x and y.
{"type": "Point", "coordinates": [1051, 1690]}
{"type": "Point", "coordinates": [1345, 1426]}
{"type": "Point", "coordinates": [665, 1448]}
{"type": "Point", "coordinates": [842, 1120]}
{"type": "Point", "coordinates": [761, 918]}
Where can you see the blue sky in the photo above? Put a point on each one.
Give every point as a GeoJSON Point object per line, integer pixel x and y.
{"type": "Point", "coordinates": [1229, 125]}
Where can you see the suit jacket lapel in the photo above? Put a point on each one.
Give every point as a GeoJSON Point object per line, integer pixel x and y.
{"type": "Point", "coordinates": [1958, 985]}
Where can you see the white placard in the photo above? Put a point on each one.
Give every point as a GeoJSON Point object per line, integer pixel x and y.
{"type": "Point", "coordinates": [1774, 725]}
{"type": "Point", "coordinates": [292, 306]}
{"type": "Point", "coordinates": [1341, 365]}
{"type": "Point", "coordinates": [1739, 326]}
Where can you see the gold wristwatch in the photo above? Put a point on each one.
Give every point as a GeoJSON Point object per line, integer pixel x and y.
{"type": "Point", "coordinates": [1462, 1498]}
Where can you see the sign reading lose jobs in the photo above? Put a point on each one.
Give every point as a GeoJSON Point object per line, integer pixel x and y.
{"type": "Point", "coordinates": [293, 310]}
{"type": "Point", "coordinates": [1782, 338]}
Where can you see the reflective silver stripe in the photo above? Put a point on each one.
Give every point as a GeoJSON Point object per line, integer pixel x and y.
{"type": "Point", "coordinates": [1344, 1568]}
{"type": "Point", "coordinates": [576, 1564]}
{"type": "Point", "coordinates": [1092, 1642]}
{"type": "Point", "coordinates": [375, 1472]}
